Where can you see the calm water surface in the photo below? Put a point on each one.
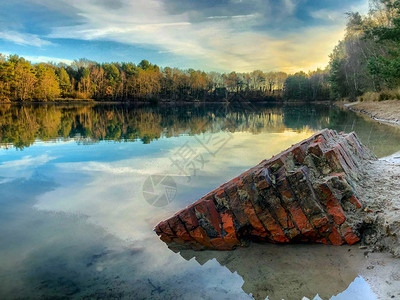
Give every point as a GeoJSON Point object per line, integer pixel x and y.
{"type": "Point", "coordinates": [75, 223]}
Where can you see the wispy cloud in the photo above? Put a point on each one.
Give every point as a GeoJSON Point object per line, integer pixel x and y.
{"type": "Point", "coordinates": [220, 42]}
{"type": "Point", "coordinates": [24, 167]}
{"type": "Point", "coordinates": [39, 59]}
{"type": "Point", "coordinates": [23, 38]}
{"type": "Point", "coordinates": [290, 6]}
{"type": "Point", "coordinates": [26, 162]}
{"type": "Point", "coordinates": [233, 17]}
{"type": "Point", "coordinates": [286, 35]}
{"type": "Point", "coordinates": [325, 14]}
{"type": "Point", "coordinates": [338, 16]}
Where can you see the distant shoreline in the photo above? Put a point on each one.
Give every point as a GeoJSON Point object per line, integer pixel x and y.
{"type": "Point", "coordinates": [91, 101]}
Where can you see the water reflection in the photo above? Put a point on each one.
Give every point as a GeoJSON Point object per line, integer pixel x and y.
{"type": "Point", "coordinates": [285, 272]}
{"type": "Point", "coordinates": [74, 223]}
{"type": "Point", "coordinates": [54, 254]}
{"type": "Point", "coordinates": [58, 255]}
{"type": "Point", "coordinates": [21, 126]}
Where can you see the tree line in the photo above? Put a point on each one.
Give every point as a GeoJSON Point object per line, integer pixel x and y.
{"type": "Point", "coordinates": [366, 61]}
{"type": "Point", "coordinates": [84, 79]}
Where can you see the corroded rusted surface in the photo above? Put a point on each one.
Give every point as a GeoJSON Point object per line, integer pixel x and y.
{"type": "Point", "coordinates": [304, 194]}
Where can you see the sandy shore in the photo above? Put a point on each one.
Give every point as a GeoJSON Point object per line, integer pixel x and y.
{"type": "Point", "coordinates": [384, 111]}
{"type": "Point", "coordinates": [379, 190]}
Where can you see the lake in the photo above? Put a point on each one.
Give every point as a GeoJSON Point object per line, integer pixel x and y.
{"type": "Point", "coordinates": [77, 212]}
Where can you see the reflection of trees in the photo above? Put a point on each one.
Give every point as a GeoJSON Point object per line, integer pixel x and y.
{"type": "Point", "coordinates": [20, 126]}
{"type": "Point", "coordinates": [288, 271]}
{"type": "Point", "coordinates": [314, 116]}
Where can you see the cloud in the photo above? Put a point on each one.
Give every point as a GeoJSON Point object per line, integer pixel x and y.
{"type": "Point", "coordinates": [26, 162]}
{"type": "Point", "coordinates": [290, 6]}
{"type": "Point", "coordinates": [39, 59]}
{"type": "Point", "coordinates": [106, 168]}
{"type": "Point", "coordinates": [219, 42]}
{"type": "Point", "coordinates": [325, 14]}
{"type": "Point", "coordinates": [223, 36]}
{"type": "Point", "coordinates": [111, 193]}
{"type": "Point", "coordinates": [22, 168]}
{"type": "Point", "coordinates": [24, 38]}
{"type": "Point", "coordinates": [232, 17]}
{"type": "Point", "coordinates": [338, 16]}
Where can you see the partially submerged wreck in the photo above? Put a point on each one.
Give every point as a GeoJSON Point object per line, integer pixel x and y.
{"type": "Point", "coordinates": [307, 193]}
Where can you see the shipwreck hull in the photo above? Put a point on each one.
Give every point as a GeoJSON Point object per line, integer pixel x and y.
{"type": "Point", "coordinates": [305, 194]}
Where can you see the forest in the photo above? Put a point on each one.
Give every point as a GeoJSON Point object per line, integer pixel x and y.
{"type": "Point", "coordinates": [84, 79]}
{"type": "Point", "coordinates": [364, 65]}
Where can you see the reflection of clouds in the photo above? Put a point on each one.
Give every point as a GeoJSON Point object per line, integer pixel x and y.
{"type": "Point", "coordinates": [54, 142]}
{"type": "Point", "coordinates": [287, 272]}
{"type": "Point", "coordinates": [359, 289]}
{"type": "Point", "coordinates": [113, 200]}
{"type": "Point", "coordinates": [5, 180]}
{"type": "Point", "coordinates": [27, 161]}
{"type": "Point", "coordinates": [93, 166]}
{"type": "Point", "coordinates": [63, 254]}
{"type": "Point", "coordinates": [24, 167]}
{"type": "Point", "coordinates": [242, 152]}
{"type": "Point", "coordinates": [112, 195]}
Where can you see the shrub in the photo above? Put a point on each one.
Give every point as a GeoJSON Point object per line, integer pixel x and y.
{"type": "Point", "coordinates": [369, 97]}
{"type": "Point", "coordinates": [380, 96]}
{"type": "Point", "coordinates": [77, 95]}
{"type": "Point", "coordinates": [384, 96]}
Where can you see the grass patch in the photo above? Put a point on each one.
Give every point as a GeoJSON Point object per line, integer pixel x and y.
{"type": "Point", "coordinates": [380, 96]}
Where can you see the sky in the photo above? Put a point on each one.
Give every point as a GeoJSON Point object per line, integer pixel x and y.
{"type": "Point", "coordinates": [211, 35]}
